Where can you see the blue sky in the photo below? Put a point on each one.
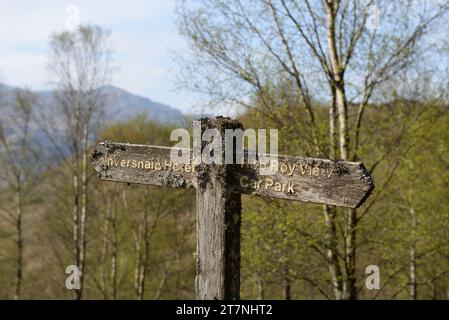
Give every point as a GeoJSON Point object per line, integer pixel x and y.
{"type": "Point", "coordinates": [143, 36]}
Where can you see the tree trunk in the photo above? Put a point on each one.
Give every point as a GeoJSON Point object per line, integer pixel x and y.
{"type": "Point", "coordinates": [332, 113]}
{"type": "Point", "coordinates": [83, 216]}
{"type": "Point", "coordinates": [260, 288]}
{"type": "Point", "coordinates": [75, 199]}
{"type": "Point", "coordinates": [19, 241]}
{"type": "Point", "coordinates": [332, 251]}
{"type": "Point", "coordinates": [157, 296]}
{"type": "Point", "coordinates": [177, 255]}
{"type": "Point", "coordinates": [287, 288]}
{"type": "Point", "coordinates": [413, 284]}
{"type": "Point", "coordinates": [138, 264]}
{"type": "Point", "coordinates": [413, 280]}
{"type": "Point", "coordinates": [351, 286]}
{"type": "Point", "coordinates": [342, 119]}
{"type": "Point", "coordinates": [142, 260]}
{"type": "Point", "coordinates": [114, 254]}
{"type": "Point", "coordinates": [105, 249]}
{"type": "Point", "coordinates": [330, 211]}
{"type": "Point", "coordinates": [337, 82]}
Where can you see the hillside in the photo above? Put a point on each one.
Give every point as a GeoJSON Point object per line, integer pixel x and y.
{"type": "Point", "coordinates": [121, 106]}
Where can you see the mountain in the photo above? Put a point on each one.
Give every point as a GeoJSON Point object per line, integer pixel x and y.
{"type": "Point", "coordinates": [121, 105]}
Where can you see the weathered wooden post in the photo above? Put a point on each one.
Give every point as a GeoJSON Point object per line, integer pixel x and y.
{"type": "Point", "coordinates": [219, 187]}
{"type": "Point", "coordinates": [219, 207]}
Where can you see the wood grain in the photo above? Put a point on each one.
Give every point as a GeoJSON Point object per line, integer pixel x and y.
{"type": "Point", "coordinates": [218, 225]}
{"type": "Point", "coordinates": [141, 153]}
{"type": "Point", "coordinates": [340, 183]}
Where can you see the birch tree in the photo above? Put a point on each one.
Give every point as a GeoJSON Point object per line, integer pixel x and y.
{"type": "Point", "coordinates": [341, 52]}
{"type": "Point", "coordinates": [18, 171]}
{"type": "Point", "coordinates": [80, 65]}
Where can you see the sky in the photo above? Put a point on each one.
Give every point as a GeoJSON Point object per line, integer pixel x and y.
{"type": "Point", "coordinates": [144, 39]}
{"type": "Point", "coordinates": [143, 34]}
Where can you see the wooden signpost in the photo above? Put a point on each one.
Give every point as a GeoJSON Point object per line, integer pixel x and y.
{"type": "Point", "coordinates": [218, 195]}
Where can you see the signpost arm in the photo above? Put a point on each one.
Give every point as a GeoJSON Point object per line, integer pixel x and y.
{"type": "Point", "coordinates": [218, 224]}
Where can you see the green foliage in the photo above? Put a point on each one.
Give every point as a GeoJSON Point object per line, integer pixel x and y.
{"type": "Point", "coordinates": [283, 243]}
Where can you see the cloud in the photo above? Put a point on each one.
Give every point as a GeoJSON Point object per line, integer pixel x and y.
{"type": "Point", "coordinates": [143, 34]}
{"type": "Point", "coordinates": [24, 69]}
